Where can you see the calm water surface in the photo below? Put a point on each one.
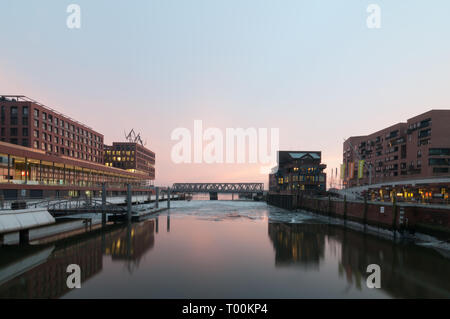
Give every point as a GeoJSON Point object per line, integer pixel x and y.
{"type": "Point", "coordinates": [225, 249]}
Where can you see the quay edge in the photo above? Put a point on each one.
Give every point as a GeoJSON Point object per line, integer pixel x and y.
{"type": "Point", "coordinates": [433, 220]}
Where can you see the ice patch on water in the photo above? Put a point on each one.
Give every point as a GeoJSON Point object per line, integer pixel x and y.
{"type": "Point", "coordinates": [220, 210]}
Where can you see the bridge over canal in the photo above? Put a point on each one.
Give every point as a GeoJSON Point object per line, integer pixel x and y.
{"type": "Point", "coordinates": [215, 188]}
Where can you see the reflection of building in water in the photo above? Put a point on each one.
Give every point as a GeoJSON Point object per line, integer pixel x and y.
{"type": "Point", "coordinates": [45, 274]}
{"type": "Point", "coordinates": [131, 243]}
{"type": "Point", "coordinates": [407, 271]}
{"type": "Point", "coordinates": [48, 280]}
{"type": "Point", "coordinates": [297, 243]}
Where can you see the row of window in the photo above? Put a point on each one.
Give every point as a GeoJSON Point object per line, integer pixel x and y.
{"type": "Point", "coordinates": [59, 122]}
{"type": "Point", "coordinates": [57, 140]}
{"type": "Point", "coordinates": [67, 134]}
{"type": "Point", "coordinates": [65, 151]}
{"type": "Point", "coordinates": [14, 131]}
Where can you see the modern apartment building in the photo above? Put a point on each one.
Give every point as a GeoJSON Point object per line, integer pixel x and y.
{"type": "Point", "coordinates": [132, 157]}
{"type": "Point", "coordinates": [414, 150]}
{"type": "Point", "coordinates": [298, 171]}
{"type": "Point", "coordinates": [29, 123]}
{"type": "Point", "coordinates": [44, 153]}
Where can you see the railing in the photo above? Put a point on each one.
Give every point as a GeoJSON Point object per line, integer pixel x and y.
{"type": "Point", "coordinates": [78, 184]}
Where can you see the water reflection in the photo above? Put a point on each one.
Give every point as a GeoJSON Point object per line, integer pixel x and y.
{"type": "Point", "coordinates": [297, 244]}
{"type": "Point", "coordinates": [408, 271]}
{"type": "Point", "coordinates": [224, 250]}
{"type": "Point", "coordinates": [40, 272]}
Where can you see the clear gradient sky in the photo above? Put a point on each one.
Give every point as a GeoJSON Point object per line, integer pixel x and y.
{"type": "Point", "coordinates": [311, 68]}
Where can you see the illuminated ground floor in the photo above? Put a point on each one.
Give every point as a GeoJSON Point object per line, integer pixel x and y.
{"type": "Point", "coordinates": [25, 172]}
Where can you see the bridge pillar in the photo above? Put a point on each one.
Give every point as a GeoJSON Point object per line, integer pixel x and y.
{"type": "Point", "coordinates": [157, 197]}
{"type": "Point", "coordinates": [213, 196]}
{"type": "Point", "coordinates": [129, 202]}
{"type": "Point", "coordinates": [24, 237]}
{"type": "Point", "coordinates": [232, 196]}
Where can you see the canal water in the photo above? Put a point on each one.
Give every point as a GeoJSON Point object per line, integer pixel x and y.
{"type": "Point", "coordinates": [225, 249]}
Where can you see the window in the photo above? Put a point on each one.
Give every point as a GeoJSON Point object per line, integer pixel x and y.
{"type": "Point", "coordinates": [439, 151]}
{"type": "Point", "coordinates": [3, 114]}
{"type": "Point", "coordinates": [425, 133]}
{"type": "Point", "coordinates": [36, 133]}
{"type": "Point", "coordinates": [13, 116]}
{"type": "Point", "coordinates": [25, 111]}
{"type": "Point", "coordinates": [13, 131]}
{"type": "Point", "coordinates": [36, 123]}
{"type": "Point", "coordinates": [36, 113]}
{"type": "Point", "coordinates": [439, 161]}
{"type": "Point", "coordinates": [36, 144]}
{"type": "Point", "coordinates": [440, 169]}
{"type": "Point", "coordinates": [25, 131]}
{"type": "Point", "coordinates": [44, 116]}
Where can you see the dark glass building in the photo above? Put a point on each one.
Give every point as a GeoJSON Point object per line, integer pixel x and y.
{"type": "Point", "coordinates": [298, 171]}
{"type": "Point", "coordinates": [132, 157]}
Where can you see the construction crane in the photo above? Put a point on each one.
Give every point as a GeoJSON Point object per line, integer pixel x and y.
{"type": "Point", "coordinates": [132, 137]}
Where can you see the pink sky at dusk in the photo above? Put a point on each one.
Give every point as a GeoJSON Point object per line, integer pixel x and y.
{"type": "Point", "coordinates": [316, 73]}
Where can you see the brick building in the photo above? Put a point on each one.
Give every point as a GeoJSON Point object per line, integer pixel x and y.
{"type": "Point", "coordinates": [132, 157]}
{"type": "Point", "coordinates": [44, 153]}
{"type": "Point", "coordinates": [298, 171]}
{"type": "Point", "coordinates": [416, 149]}
{"type": "Point", "coordinates": [29, 123]}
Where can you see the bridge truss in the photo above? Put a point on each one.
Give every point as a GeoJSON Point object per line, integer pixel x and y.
{"type": "Point", "coordinates": [235, 188]}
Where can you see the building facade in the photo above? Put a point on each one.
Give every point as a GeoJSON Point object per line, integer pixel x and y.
{"type": "Point", "coordinates": [29, 173]}
{"type": "Point", "coordinates": [29, 123]}
{"type": "Point", "coordinates": [415, 150]}
{"type": "Point", "coordinates": [298, 171]}
{"type": "Point", "coordinates": [132, 157]}
{"type": "Point", "coordinates": [46, 154]}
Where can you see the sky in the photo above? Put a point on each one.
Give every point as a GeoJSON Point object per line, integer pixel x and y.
{"type": "Point", "coordinates": [312, 69]}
